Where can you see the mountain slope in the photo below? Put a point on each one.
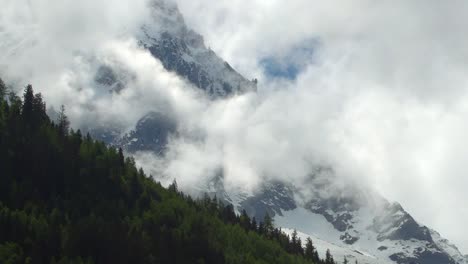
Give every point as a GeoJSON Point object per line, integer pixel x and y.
{"type": "Point", "coordinates": [361, 221]}
{"type": "Point", "coordinates": [65, 198]}
{"type": "Point", "coordinates": [353, 221]}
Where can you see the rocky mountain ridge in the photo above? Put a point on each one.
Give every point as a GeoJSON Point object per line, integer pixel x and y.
{"type": "Point", "coordinates": [370, 232]}
{"type": "Point", "coordinates": [183, 51]}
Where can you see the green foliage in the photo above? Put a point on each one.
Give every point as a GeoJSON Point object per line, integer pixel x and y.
{"type": "Point", "coordinates": [11, 253]}
{"type": "Point", "coordinates": [65, 198]}
{"type": "Point", "coordinates": [63, 123]}
{"type": "Point", "coordinates": [310, 252]}
{"type": "Point", "coordinates": [3, 89]}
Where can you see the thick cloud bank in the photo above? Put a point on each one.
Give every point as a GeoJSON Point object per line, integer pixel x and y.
{"type": "Point", "coordinates": [378, 90]}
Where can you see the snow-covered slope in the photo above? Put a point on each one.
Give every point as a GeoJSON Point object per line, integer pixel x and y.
{"type": "Point", "coordinates": [339, 251]}
{"type": "Point", "coordinates": [358, 223]}
{"type": "Point", "coordinates": [352, 221]}
{"type": "Point", "coordinates": [370, 247]}
{"type": "Point", "coordinates": [448, 247]}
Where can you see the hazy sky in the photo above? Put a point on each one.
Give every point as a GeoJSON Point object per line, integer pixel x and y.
{"type": "Point", "coordinates": [378, 90]}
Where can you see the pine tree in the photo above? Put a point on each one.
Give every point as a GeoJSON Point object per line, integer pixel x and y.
{"type": "Point", "coordinates": [2, 89]}
{"type": "Point", "coordinates": [173, 187]}
{"type": "Point", "coordinates": [268, 224]}
{"type": "Point", "coordinates": [261, 228]}
{"type": "Point", "coordinates": [121, 158]}
{"type": "Point", "coordinates": [299, 248]}
{"type": "Point", "coordinates": [345, 261]}
{"type": "Point", "coordinates": [245, 220]}
{"type": "Point", "coordinates": [316, 257]}
{"type": "Point", "coordinates": [63, 122]}
{"type": "Point", "coordinates": [39, 111]}
{"type": "Point", "coordinates": [28, 98]}
{"type": "Point", "coordinates": [228, 214]}
{"type": "Point", "coordinates": [309, 250]}
{"type": "Point", "coordinates": [328, 257]}
{"type": "Point", "coordinates": [296, 243]}
{"type": "Point", "coordinates": [254, 224]}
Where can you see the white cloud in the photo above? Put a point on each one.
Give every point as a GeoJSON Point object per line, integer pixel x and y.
{"type": "Point", "coordinates": [395, 79]}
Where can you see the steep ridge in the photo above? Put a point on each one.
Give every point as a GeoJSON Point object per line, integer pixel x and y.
{"type": "Point", "coordinates": [382, 229]}
{"type": "Point", "coordinates": [183, 51]}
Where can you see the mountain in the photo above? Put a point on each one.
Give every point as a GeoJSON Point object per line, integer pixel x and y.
{"type": "Point", "coordinates": [354, 222]}
{"type": "Point", "coordinates": [180, 50]}
{"type": "Point", "coordinates": [150, 134]}
{"type": "Point", "coordinates": [183, 51]}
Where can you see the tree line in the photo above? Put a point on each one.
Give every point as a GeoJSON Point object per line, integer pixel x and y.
{"type": "Point", "coordinates": [67, 198]}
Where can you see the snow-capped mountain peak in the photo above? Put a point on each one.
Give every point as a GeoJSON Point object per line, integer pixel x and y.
{"type": "Point", "coordinates": [183, 51]}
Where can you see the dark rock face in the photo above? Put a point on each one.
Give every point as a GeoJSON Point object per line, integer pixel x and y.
{"type": "Point", "coordinates": [151, 134]}
{"type": "Point", "coordinates": [106, 133]}
{"type": "Point", "coordinates": [411, 230]}
{"type": "Point", "coordinates": [382, 248]}
{"type": "Point", "coordinates": [106, 76]}
{"type": "Point", "coordinates": [215, 189]}
{"type": "Point", "coordinates": [348, 238]}
{"type": "Point", "coordinates": [423, 256]}
{"type": "Point", "coordinates": [113, 79]}
{"type": "Point", "coordinates": [177, 55]}
{"type": "Point", "coordinates": [272, 199]}
{"type": "Point", "coordinates": [339, 212]}
{"type": "Point", "coordinates": [397, 224]}
{"type": "Point", "coordinates": [181, 50]}
{"type": "Point", "coordinates": [170, 51]}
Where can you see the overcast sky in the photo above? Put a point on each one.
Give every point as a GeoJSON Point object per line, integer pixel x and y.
{"type": "Point", "coordinates": [378, 90]}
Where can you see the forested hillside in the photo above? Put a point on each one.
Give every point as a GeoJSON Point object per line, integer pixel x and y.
{"type": "Point", "coordinates": [66, 198]}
